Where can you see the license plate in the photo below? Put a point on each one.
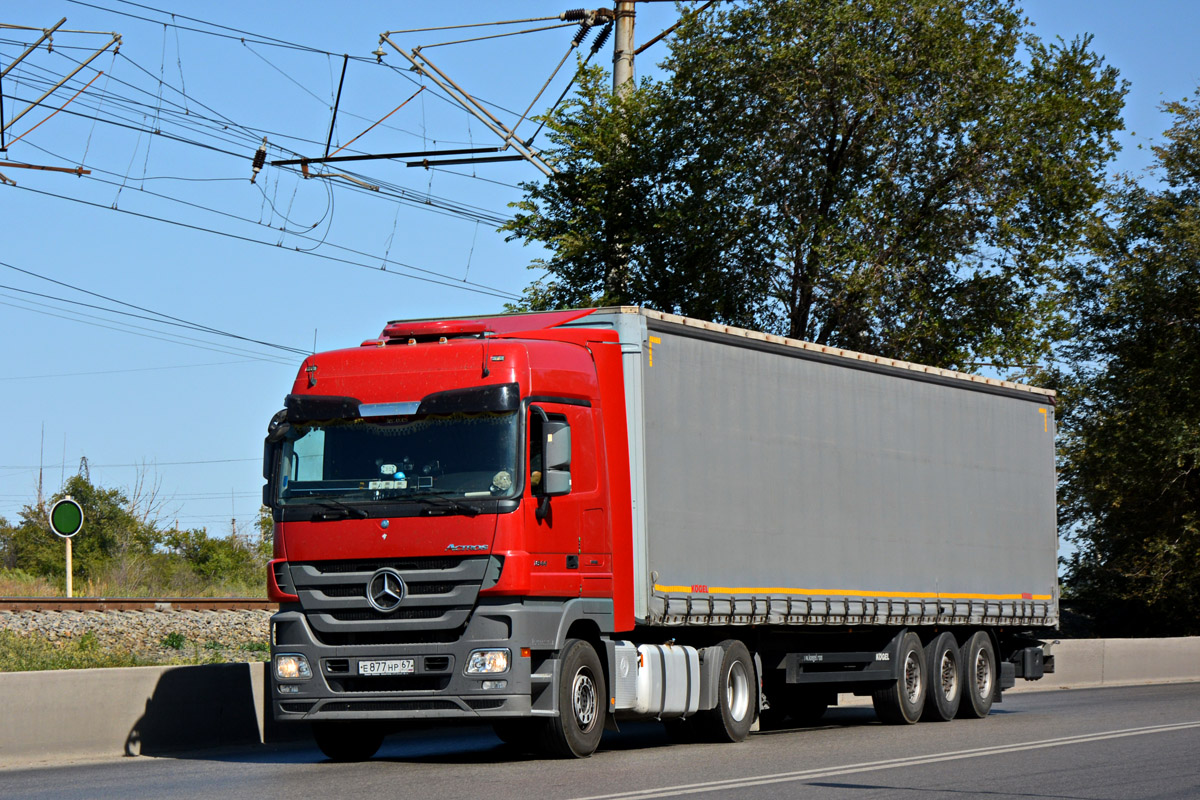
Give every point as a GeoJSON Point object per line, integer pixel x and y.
{"type": "Point", "coordinates": [387, 666]}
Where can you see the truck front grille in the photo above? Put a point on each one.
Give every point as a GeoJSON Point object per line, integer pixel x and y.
{"type": "Point", "coordinates": [440, 594]}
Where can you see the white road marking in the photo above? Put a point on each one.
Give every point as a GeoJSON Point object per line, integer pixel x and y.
{"type": "Point", "coordinates": [872, 766]}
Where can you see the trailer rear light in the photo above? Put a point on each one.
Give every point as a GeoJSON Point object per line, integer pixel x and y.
{"type": "Point", "coordinates": [292, 667]}
{"type": "Point", "coordinates": [485, 662]}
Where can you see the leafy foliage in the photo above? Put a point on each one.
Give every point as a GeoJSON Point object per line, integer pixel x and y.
{"type": "Point", "coordinates": [902, 178]}
{"type": "Point", "coordinates": [1130, 445]}
{"type": "Point", "coordinates": [124, 551]}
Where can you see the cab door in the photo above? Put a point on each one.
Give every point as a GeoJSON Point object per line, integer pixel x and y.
{"type": "Point", "coordinates": [567, 534]}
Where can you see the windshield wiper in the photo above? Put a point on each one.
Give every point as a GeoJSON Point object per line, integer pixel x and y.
{"type": "Point", "coordinates": [449, 504]}
{"type": "Point", "coordinates": [336, 509]}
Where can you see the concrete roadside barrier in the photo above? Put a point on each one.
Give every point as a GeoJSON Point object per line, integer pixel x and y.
{"type": "Point", "coordinates": [73, 714]}
{"type": "Point", "coordinates": [76, 714]}
{"type": "Point", "coordinates": [1082, 663]}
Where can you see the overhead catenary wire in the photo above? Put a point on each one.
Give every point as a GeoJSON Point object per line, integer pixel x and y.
{"type": "Point", "coordinates": [253, 138]}
{"type": "Point", "coordinates": [148, 334]}
{"type": "Point", "coordinates": [410, 197]}
{"type": "Point", "coordinates": [220, 126]}
{"type": "Point", "coordinates": [163, 319]}
{"type": "Point", "coordinates": [123, 370]}
{"type": "Point", "coordinates": [240, 35]}
{"type": "Point", "coordinates": [448, 283]}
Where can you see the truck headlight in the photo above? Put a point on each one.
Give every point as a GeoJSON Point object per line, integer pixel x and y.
{"type": "Point", "coordinates": [292, 667]}
{"type": "Point", "coordinates": [482, 662]}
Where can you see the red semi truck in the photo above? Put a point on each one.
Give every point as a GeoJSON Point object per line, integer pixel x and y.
{"type": "Point", "coordinates": [554, 522]}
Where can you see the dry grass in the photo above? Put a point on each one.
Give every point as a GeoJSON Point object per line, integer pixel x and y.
{"type": "Point", "coordinates": [16, 583]}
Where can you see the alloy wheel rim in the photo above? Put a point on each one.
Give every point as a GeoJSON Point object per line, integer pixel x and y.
{"type": "Point", "coordinates": [584, 700]}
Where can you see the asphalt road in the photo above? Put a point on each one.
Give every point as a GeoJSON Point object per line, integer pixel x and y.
{"type": "Point", "coordinates": [1097, 744]}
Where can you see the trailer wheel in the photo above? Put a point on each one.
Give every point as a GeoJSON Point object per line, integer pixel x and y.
{"type": "Point", "coordinates": [348, 741]}
{"type": "Point", "coordinates": [978, 659]}
{"type": "Point", "coordinates": [730, 721]}
{"type": "Point", "coordinates": [582, 702]}
{"type": "Point", "coordinates": [943, 666]}
{"type": "Point", "coordinates": [901, 702]}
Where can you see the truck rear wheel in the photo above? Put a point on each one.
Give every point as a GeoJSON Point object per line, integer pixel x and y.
{"type": "Point", "coordinates": [944, 687]}
{"type": "Point", "coordinates": [730, 721]}
{"type": "Point", "coordinates": [582, 702]}
{"type": "Point", "coordinates": [348, 741]}
{"type": "Point", "coordinates": [902, 702]}
{"type": "Point", "coordinates": [978, 659]}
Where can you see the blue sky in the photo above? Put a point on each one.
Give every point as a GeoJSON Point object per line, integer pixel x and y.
{"type": "Point", "coordinates": [192, 412]}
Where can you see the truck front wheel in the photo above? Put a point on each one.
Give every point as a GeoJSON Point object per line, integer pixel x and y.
{"type": "Point", "coordinates": [348, 741]}
{"type": "Point", "coordinates": [901, 702]}
{"type": "Point", "coordinates": [978, 660]}
{"type": "Point", "coordinates": [737, 690]}
{"type": "Point", "coordinates": [582, 702]}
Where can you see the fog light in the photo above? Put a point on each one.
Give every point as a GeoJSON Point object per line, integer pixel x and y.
{"type": "Point", "coordinates": [487, 662]}
{"type": "Point", "coordinates": [292, 667]}
{"type": "Point", "coordinates": [289, 688]}
{"type": "Point", "coordinates": [494, 684]}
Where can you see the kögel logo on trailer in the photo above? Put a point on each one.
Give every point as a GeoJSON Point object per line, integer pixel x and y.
{"type": "Point", "coordinates": [385, 590]}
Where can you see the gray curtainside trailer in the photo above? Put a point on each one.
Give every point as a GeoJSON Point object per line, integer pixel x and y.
{"type": "Point", "coordinates": [863, 516]}
{"type": "Point", "coordinates": [556, 520]}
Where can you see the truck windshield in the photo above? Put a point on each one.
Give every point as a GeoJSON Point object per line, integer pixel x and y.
{"type": "Point", "coordinates": [458, 455]}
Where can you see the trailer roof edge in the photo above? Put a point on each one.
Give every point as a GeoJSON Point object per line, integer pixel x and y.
{"type": "Point", "coordinates": [838, 352]}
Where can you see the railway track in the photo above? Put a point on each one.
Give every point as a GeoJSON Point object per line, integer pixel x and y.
{"type": "Point", "coordinates": [136, 604]}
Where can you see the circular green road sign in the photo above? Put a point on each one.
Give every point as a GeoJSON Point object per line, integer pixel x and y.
{"type": "Point", "coordinates": [66, 518]}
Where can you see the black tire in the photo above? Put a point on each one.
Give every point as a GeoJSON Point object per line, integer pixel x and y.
{"type": "Point", "coordinates": [902, 702]}
{"type": "Point", "coordinates": [582, 704]}
{"type": "Point", "coordinates": [737, 695]}
{"type": "Point", "coordinates": [348, 741]}
{"type": "Point", "coordinates": [980, 672]}
{"type": "Point", "coordinates": [520, 734]}
{"type": "Point", "coordinates": [944, 687]}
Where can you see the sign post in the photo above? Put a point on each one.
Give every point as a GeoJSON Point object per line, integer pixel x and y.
{"type": "Point", "coordinates": [66, 520]}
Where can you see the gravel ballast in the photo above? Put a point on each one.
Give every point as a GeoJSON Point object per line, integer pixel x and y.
{"type": "Point", "coordinates": [216, 635]}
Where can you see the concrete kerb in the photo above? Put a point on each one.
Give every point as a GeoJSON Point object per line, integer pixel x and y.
{"type": "Point", "coordinates": [64, 715]}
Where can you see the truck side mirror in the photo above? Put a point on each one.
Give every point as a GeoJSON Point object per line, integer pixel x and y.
{"type": "Point", "coordinates": [276, 431]}
{"type": "Point", "coordinates": [556, 445]}
{"type": "Point", "coordinates": [556, 460]}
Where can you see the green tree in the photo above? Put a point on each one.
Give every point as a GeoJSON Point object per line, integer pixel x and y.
{"type": "Point", "coordinates": [1130, 443]}
{"type": "Point", "coordinates": [111, 529]}
{"type": "Point", "coordinates": [902, 177]}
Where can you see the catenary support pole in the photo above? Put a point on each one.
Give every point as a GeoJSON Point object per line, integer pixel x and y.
{"type": "Point", "coordinates": [623, 46]}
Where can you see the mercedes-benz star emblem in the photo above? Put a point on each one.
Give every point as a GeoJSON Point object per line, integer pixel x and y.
{"type": "Point", "coordinates": [385, 590]}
